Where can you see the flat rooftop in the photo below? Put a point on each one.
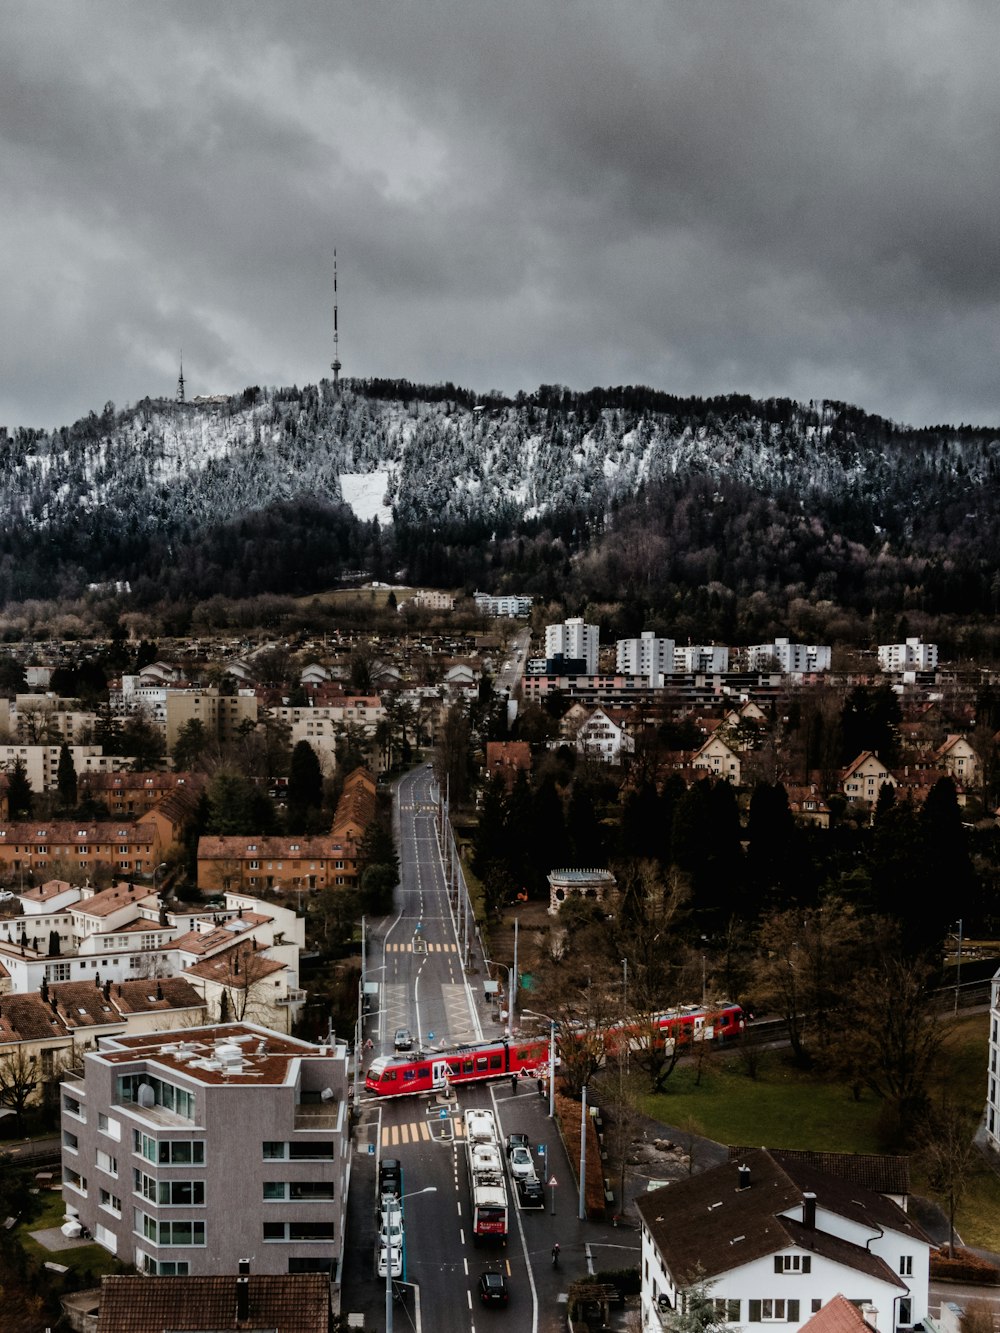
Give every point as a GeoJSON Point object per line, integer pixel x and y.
{"type": "Point", "coordinates": [236, 1053]}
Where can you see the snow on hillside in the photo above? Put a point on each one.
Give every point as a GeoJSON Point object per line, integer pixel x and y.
{"type": "Point", "coordinates": [365, 493]}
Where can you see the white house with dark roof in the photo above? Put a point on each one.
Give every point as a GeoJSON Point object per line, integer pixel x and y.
{"type": "Point", "coordinates": [776, 1238]}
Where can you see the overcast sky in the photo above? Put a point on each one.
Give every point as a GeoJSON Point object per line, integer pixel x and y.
{"type": "Point", "coordinates": [707, 196]}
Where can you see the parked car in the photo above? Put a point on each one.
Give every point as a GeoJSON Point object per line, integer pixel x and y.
{"type": "Point", "coordinates": [390, 1177]}
{"type": "Point", "coordinates": [6, 895]}
{"type": "Point", "coordinates": [530, 1192]}
{"type": "Point", "coordinates": [517, 1141]}
{"type": "Point", "coordinates": [396, 1262]}
{"type": "Point", "coordinates": [493, 1288]}
{"type": "Point", "coordinates": [521, 1165]}
{"type": "Point", "coordinates": [403, 1040]}
{"type": "Point", "coordinates": [390, 1230]}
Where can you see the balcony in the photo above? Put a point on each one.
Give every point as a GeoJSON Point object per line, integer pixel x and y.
{"type": "Point", "coordinates": [318, 1115]}
{"type": "Point", "coordinates": [293, 996]}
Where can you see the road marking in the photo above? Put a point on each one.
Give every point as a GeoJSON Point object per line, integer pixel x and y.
{"type": "Point", "coordinates": [411, 1132]}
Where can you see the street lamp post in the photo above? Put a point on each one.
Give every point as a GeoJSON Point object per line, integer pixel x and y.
{"type": "Point", "coordinates": [510, 992]}
{"type": "Point", "coordinates": [552, 1057]}
{"type": "Point", "coordinates": [429, 1189]}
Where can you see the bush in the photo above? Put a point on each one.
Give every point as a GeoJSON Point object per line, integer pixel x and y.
{"type": "Point", "coordinates": [963, 1266]}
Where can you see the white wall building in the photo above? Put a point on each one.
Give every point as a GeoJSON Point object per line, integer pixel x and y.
{"type": "Point", "coordinates": [909, 656]}
{"type": "Point", "coordinates": [791, 657]}
{"type": "Point", "coordinates": [648, 656]}
{"type": "Point", "coordinates": [697, 659]}
{"type": "Point", "coordinates": [777, 1238]}
{"type": "Point", "coordinates": [512, 606]}
{"type": "Point", "coordinates": [573, 639]}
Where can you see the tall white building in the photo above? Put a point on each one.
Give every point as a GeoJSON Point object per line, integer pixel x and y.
{"type": "Point", "coordinates": [574, 640]}
{"type": "Point", "coordinates": [909, 656]}
{"type": "Point", "coordinates": [789, 656]}
{"type": "Point", "coordinates": [646, 656]}
{"type": "Point", "coordinates": [697, 658]}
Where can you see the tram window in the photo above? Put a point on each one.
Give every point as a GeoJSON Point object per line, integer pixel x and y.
{"type": "Point", "coordinates": [496, 1062]}
{"type": "Point", "coordinates": [389, 1076]}
{"type": "Point", "coordinates": [454, 1066]}
{"type": "Point", "coordinates": [424, 1071]}
{"type": "Point", "coordinates": [409, 1075]}
{"type": "Point", "coordinates": [523, 1055]}
{"type": "Point", "coordinates": [466, 1066]}
{"type": "Point", "coordinates": [481, 1062]}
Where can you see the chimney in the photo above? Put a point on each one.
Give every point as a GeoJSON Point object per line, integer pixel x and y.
{"type": "Point", "coordinates": [743, 1174]}
{"type": "Point", "coordinates": [159, 991]}
{"type": "Point", "coordinates": [809, 1211]}
{"type": "Point", "coordinates": [107, 990]}
{"type": "Point", "coordinates": [244, 1267]}
{"type": "Point", "coordinates": [242, 1297]}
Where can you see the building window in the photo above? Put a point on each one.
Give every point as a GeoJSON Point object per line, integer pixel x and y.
{"type": "Point", "coordinates": [169, 1152]}
{"type": "Point", "coordinates": [111, 1202]}
{"type": "Point", "coordinates": [107, 1163]}
{"type": "Point", "coordinates": [161, 1093]}
{"type": "Point", "coordinates": [298, 1231]}
{"type": "Point", "coordinates": [57, 971]}
{"type": "Point", "coordinates": [792, 1263]}
{"type": "Point", "coordinates": [320, 1150]}
{"type": "Point", "coordinates": [184, 1232]}
{"type": "Point", "coordinates": [906, 1265]}
{"type": "Point", "coordinates": [297, 1191]}
{"type": "Point", "coordinates": [774, 1312]}
{"type": "Point", "coordinates": [169, 1193]}
{"type": "Point", "coordinates": [726, 1311]}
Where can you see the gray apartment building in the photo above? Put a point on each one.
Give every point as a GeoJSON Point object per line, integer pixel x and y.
{"type": "Point", "coordinates": [184, 1152]}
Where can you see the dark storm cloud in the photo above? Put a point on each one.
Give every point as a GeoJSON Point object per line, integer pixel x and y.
{"type": "Point", "coordinates": [707, 196]}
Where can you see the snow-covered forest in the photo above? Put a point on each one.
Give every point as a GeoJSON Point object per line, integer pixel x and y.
{"type": "Point", "coordinates": [626, 494]}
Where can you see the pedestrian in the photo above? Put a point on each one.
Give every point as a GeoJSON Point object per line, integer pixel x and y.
{"type": "Point", "coordinates": [555, 1255]}
{"type": "Point", "coordinates": [513, 1084]}
{"type": "Point", "coordinates": [541, 1087]}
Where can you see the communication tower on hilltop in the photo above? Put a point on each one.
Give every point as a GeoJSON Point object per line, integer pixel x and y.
{"type": "Point", "coordinates": [335, 363]}
{"type": "Point", "coordinates": [180, 381]}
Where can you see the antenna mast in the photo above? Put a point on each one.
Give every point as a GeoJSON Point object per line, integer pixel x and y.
{"type": "Point", "coordinates": [180, 381]}
{"type": "Point", "coordinates": [335, 363]}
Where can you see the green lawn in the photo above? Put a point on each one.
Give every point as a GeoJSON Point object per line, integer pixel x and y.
{"type": "Point", "coordinates": [786, 1108]}
{"type": "Point", "coordinates": [52, 1213]}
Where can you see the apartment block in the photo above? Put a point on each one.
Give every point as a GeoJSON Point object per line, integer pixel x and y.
{"type": "Point", "coordinates": [184, 1152]}
{"type": "Point", "coordinates": [648, 656]}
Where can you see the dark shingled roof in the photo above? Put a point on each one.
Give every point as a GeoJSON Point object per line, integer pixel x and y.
{"type": "Point", "coordinates": [707, 1224]}
{"type": "Point", "coordinates": [874, 1171]}
{"type": "Point", "coordinates": [284, 1302]}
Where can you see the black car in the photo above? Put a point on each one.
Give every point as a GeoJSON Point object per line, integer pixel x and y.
{"type": "Point", "coordinates": [403, 1039]}
{"type": "Point", "coordinates": [530, 1193]}
{"type": "Point", "coordinates": [493, 1288]}
{"type": "Point", "coordinates": [390, 1176]}
{"type": "Point", "coordinates": [517, 1141]}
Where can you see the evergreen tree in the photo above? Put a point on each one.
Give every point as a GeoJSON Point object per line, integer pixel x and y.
{"type": "Point", "coordinates": [66, 778]}
{"type": "Point", "coordinates": [304, 779]}
{"type": "Point", "coordinates": [20, 797]}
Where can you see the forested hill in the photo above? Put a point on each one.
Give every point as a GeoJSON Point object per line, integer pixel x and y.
{"type": "Point", "coordinates": [245, 496]}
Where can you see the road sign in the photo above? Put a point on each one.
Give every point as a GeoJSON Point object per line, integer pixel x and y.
{"type": "Point", "coordinates": [371, 1150]}
{"type": "Point", "coordinates": [442, 1114]}
{"type": "Point", "coordinates": [430, 1036]}
{"type": "Point", "coordinates": [553, 1182]}
{"type": "Point", "coordinates": [541, 1150]}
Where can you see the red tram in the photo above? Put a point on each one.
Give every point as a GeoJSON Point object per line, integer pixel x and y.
{"type": "Point", "coordinates": [430, 1071]}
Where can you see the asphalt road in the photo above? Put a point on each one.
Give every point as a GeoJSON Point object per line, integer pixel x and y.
{"type": "Point", "coordinates": [425, 988]}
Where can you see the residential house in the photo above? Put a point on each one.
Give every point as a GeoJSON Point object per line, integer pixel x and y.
{"type": "Point", "coordinates": [605, 736]}
{"type": "Point", "coordinates": [716, 757]}
{"type": "Point", "coordinates": [776, 1238]}
{"type": "Point", "coordinates": [506, 759]}
{"type": "Point", "coordinates": [864, 778]}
